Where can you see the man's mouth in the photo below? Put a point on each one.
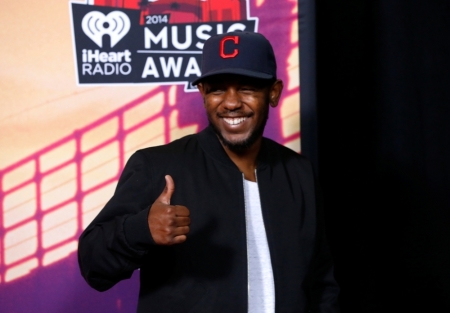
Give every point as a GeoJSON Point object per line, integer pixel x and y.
{"type": "Point", "coordinates": [234, 120]}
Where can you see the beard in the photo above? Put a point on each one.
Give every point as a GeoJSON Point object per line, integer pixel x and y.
{"type": "Point", "coordinates": [242, 145]}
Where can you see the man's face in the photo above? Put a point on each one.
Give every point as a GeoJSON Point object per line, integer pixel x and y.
{"type": "Point", "coordinates": [238, 108]}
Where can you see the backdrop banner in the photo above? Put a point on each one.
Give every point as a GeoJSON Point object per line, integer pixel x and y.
{"type": "Point", "coordinates": [84, 85]}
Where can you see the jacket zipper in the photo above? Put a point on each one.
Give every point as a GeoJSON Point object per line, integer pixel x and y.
{"type": "Point", "coordinates": [268, 244]}
{"type": "Point", "coordinates": [246, 238]}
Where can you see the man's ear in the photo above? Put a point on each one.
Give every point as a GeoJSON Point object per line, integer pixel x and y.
{"type": "Point", "coordinates": [275, 93]}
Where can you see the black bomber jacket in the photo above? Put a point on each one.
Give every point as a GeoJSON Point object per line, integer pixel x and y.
{"type": "Point", "coordinates": [208, 272]}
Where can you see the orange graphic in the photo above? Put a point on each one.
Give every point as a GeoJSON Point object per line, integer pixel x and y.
{"type": "Point", "coordinates": [185, 11]}
{"type": "Point", "coordinates": [49, 195]}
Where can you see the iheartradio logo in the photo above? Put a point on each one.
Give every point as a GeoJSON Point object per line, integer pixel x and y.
{"type": "Point", "coordinates": [95, 24]}
{"type": "Point", "coordinates": [123, 42]}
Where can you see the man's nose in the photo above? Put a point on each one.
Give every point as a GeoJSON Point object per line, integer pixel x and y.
{"type": "Point", "coordinates": [232, 100]}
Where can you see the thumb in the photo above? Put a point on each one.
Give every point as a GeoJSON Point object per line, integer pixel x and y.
{"type": "Point", "coordinates": [168, 190]}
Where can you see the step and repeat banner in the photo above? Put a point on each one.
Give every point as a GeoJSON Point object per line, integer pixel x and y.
{"type": "Point", "coordinates": [84, 84]}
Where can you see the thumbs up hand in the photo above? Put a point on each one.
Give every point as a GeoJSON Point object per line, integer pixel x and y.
{"type": "Point", "coordinates": [169, 224]}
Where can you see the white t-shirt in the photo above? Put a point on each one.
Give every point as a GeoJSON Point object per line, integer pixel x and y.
{"type": "Point", "coordinates": [261, 287]}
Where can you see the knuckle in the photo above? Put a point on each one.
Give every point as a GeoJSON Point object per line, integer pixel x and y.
{"type": "Point", "coordinates": [168, 220]}
{"type": "Point", "coordinates": [161, 240]}
{"type": "Point", "coordinates": [180, 239]}
{"type": "Point", "coordinates": [166, 243]}
{"type": "Point", "coordinates": [167, 230]}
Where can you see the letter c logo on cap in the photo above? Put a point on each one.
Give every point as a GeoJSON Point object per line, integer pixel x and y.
{"type": "Point", "coordinates": [235, 39]}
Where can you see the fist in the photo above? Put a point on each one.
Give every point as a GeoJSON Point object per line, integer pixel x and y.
{"type": "Point", "coordinates": [169, 224]}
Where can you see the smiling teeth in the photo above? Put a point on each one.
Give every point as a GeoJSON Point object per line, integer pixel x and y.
{"type": "Point", "coordinates": [235, 121]}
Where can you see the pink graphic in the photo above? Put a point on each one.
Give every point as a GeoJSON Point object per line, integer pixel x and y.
{"type": "Point", "coordinates": [49, 197]}
{"type": "Point", "coordinates": [66, 183]}
{"type": "Point", "coordinates": [185, 11]}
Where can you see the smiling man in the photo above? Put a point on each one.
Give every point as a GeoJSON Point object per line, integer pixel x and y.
{"type": "Point", "coordinates": [238, 108]}
{"type": "Point", "coordinates": [242, 230]}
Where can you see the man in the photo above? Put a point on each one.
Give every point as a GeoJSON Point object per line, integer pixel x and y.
{"type": "Point", "coordinates": [220, 221]}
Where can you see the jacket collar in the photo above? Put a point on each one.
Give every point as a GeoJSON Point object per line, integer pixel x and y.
{"type": "Point", "coordinates": [211, 145]}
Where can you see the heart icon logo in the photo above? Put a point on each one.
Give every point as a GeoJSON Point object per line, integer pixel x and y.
{"type": "Point", "coordinates": [95, 24]}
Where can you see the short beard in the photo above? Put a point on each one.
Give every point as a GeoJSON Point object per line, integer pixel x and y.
{"type": "Point", "coordinates": [242, 146]}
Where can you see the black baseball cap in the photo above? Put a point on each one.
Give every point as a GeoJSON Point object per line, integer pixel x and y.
{"type": "Point", "coordinates": [243, 53]}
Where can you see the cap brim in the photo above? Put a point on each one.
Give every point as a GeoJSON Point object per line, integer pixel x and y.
{"type": "Point", "coordinates": [237, 71]}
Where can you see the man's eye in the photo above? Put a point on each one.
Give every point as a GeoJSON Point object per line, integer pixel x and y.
{"type": "Point", "coordinates": [248, 89]}
{"type": "Point", "coordinates": [215, 90]}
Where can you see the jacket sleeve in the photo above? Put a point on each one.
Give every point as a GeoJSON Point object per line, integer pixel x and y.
{"type": "Point", "coordinates": [117, 240]}
{"type": "Point", "coordinates": [324, 290]}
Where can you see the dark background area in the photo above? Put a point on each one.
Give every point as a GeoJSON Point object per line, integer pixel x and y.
{"type": "Point", "coordinates": [383, 96]}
